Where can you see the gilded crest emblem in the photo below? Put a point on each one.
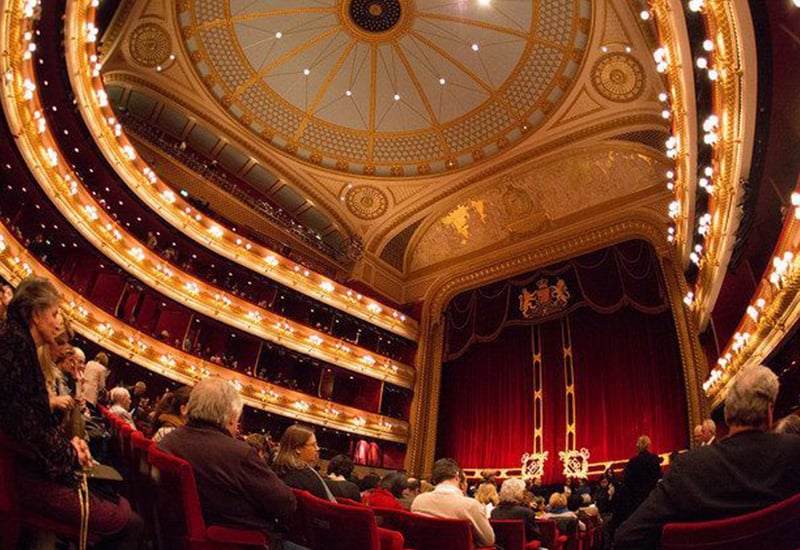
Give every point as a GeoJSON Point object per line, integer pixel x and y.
{"type": "Point", "coordinates": [544, 299]}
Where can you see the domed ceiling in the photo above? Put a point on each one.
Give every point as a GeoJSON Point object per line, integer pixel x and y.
{"type": "Point", "coordinates": [388, 87]}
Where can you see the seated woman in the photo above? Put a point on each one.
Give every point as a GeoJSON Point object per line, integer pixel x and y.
{"type": "Point", "coordinates": [388, 491]}
{"type": "Point", "coordinates": [298, 452]}
{"type": "Point", "coordinates": [171, 412]}
{"type": "Point", "coordinates": [512, 506]}
{"type": "Point", "coordinates": [564, 517]}
{"type": "Point", "coordinates": [49, 463]}
{"type": "Point", "coordinates": [120, 402]}
{"type": "Point", "coordinates": [487, 495]}
{"type": "Point", "coordinates": [340, 468]}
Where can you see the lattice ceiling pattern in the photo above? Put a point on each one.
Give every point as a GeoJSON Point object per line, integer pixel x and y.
{"type": "Point", "coordinates": [383, 87]}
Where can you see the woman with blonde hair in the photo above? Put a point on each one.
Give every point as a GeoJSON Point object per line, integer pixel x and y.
{"type": "Point", "coordinates": [298, 452]}
{"type": "Point", "coordinates": [487, 495]}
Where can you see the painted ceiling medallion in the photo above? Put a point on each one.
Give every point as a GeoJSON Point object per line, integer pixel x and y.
{"type": "Point", "coordinates": [618, 77]}
{"type": "Point", "coordinates": [366, 202]}
{"type": "Point", "coordinates": [389, 88]}
{"type": "Point", "coordinates": [149, 45]}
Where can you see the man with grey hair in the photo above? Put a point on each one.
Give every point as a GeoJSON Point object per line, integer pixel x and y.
{"type": "Point", "coordinates": [748, 470]}
{"type": "Point", "coordinates": [235, 485]}
{"type": "Point", "coordinates": [709, 432]}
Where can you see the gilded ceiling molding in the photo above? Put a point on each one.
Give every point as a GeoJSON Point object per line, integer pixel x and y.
{"type": "Point", "coordinates": [734, 95]}
{"type": "Point", "coordinates": [540, 153]}
{"type": "Point", "coordinates": [122, 339]}
{"type": "Point", "coordinates": [645, 225]}
{"type": "Point", "coordinates": [671, 27]}
{"type": "Point", "coordinates": [93, 105]}
{"type": "Point", "coordinates": [39, 149]}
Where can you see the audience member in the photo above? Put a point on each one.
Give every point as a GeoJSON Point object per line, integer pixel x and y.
{"type": "Point", "coordinates": [487, 495]}
{"type": "Point", "coordinates": [46, 476]}
{"type": "Point", "coordinates": [94, 379]}
{"type": "Point", "coordinates": [788, 425]}
{"type": "Point", "coordinates": [385, 495]}
{"type": "Point", "coordinates": [120, 404]}
{"type": "Point", "coordinates": [6, 293]}
{"type": "Point", "coordinates": [173, 412]}
{"type": "Point", "coordinates": [697, 435]}
{"type": "Point", "coordinates": [447, 500]}
{"type": "Point", "coordinates": [642, 472]}
{"type": "Point", "coordinates": [298, 452]}
{"type": "Point", "coordinates": [512, 506]}
{"type": "Point", "coordinates": [411, 491]}
{"type": "Point", "coordinates": [340, 468]}
{"type": "Point", "coordinates": [369, 482]}
{"type": "Point", "coordinates": [564, 517]}
{"type": "Point", "coordinates": [709, 432]}
{"type": "Point", "coordinates": [748, 470]}
{"type": "Point", "coordinates": [262, 445]}
{"type": "Point", "coordinates": [236, 487]}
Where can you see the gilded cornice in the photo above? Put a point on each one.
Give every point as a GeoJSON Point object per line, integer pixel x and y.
{"type": "Point", "coordinates": [39, 149]}
{"type": "Point", "coordinates": [173, 209]}
{"type": "Point", "coordinates": [110, 333]}
{"type": "Point", "coordinates": [672, 32]}
{"type": "Point", "coordinates": [734, 104]}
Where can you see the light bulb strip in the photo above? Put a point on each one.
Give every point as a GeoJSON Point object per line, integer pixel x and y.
{"type": "Point", "coordinates": [110, 333]}
{"type": "Point", "coordinates": [40, 150]}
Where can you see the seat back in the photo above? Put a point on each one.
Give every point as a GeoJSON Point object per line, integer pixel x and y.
{"type": "Point", "coordinates": [9, 505]}
{"type": "Point", "coordinates": [509, 533]}
{"type": "Point", "coordinates": [551, 537]}
{"type": "Point", "coordinates": [397, 520]}
{"type": "Point", "coordinates": [178, 516]}
{"type": "Point", "coordinates": [334, 526]}
{"type": "Point", "coordinates": [442, 534]}
{"type": "Point", "coordinates": [776, 527]}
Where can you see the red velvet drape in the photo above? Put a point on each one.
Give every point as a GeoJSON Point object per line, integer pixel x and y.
{"type": "Point", "coordinates": [628, 376]}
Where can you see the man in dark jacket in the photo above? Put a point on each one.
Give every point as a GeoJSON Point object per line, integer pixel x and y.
{"type": "Point", "coordinates": [642, 472]}
{"type": "Point", "coordinates": [236, 487]}
{"type": "Point", "coordinates": [748, 470]}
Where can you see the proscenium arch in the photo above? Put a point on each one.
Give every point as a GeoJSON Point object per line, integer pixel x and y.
{"type": "Point", "coordinates": [640, 224]}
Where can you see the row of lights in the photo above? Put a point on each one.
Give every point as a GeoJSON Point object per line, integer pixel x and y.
{"type": "Point", "coordinates": [146, 350]}
{"type": "Point", "coordinates": [103, 224]}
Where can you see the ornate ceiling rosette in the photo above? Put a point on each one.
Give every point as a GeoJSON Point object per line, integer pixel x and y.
{"type": "Point", "coordinates": [388, 87]}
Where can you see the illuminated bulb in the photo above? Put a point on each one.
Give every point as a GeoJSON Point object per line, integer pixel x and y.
{"type": "Point", "coordinates": [278, 34]}
{"type": "Point", "coordinates": [306, 72]}
{"type": "Point", "coordinates": [327, 286]}
{"type": "Point", "coordinates": [475, 47]}
{"type": "Point", "coordinates": [645, 15]}
{"type": "Point", "coordinates": [397, 97]}
{"type": "Point", "coordinates": [701, 62]}
{"type": "Point", "coordinates": [663, 97]}
{"type": "Point", "coordinates": [271, 261]}
{"type": "Point", "coordinates": [348, 93]}
{"type": "Point", "coordinates": [708, 45]}
{"type": "Point", "coordinates": [442, 81]}
{"type": "Point", "coordinates": [713, 74]}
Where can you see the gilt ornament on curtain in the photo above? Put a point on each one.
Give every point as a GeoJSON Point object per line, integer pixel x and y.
{"type": "Point", "coordinates": [576, 463]}
{"type": "Point", "coordinates": [545, 299]}
{"type": "Point", "coordinates": [533, 465]}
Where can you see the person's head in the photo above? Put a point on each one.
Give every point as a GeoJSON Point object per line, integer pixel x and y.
{"type": "Point", "coordinates": [643, 443]}
{"type": "Point", "coordinates": [369, 481]}
{"type": "Point", "coordinates": [177, 402]}
{"type": "Point", "coordinates": [139, 388]}
{"type": "Point", "coordinates": [120, 396]}
{"type": "Point", "coordinates": [78, 363]}
{"type": "Point", "coordinates": [341, 465]}
{"type": "Point", "coordinates": [35, 306]}
{"type": "Point", "coordinates": [558, 500]}
{"type": "Point", "coordinates": [102, 358]}
{"type": "Point", "coordinates": [297, 449]}
{"type": "Point", "coordinates": [447, 470]}
{"type": "Point", "coordinates": [486, 493]}
{"type": "Point", "coordinates": [751, 397]}
{"type": "Point", "coordinates": [425, 487]}
{"type": "Point", "coordinates": [215, 401]}
{"type": "Point", "coordinates": [395, 483]}
{"type": "Point", "coordinates": [412, 488]}
{"type": "Point", "coordinates": [788, 425]}
{"type": "Point", "coordinates": [709, 429]}
{"type": "Point", "coordinates": [259, 443]}
{"type": "Point", "coordinates": [574, 501]}
{"type": "Point", "coordinates": [489, 475]}
{"type": "Point", "coordinates": [6, 293]}
{"type": "Point", "coordinates": [697, 434]}
{"type": "Point", "coordinates": [512, 491]}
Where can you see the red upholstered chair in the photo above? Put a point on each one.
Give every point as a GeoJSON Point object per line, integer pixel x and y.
{"type": "Point", "coordinates": [442, 534]}
{"type": "Point", "coordinates": [334, 526]}
{"type": "Point", "coordinates": [348, 501]}
{"type": "Point", "coordinates": [143, 492]}
{"type": "Point", "coordinates": [776, 527]}
{"type": "Point", "coordinates": [552, 539]}
{"type": "Point", "coordinates": [510, 534]}
{"type": "Point", "coordinates": [178, 516]}
{"type": "Point", "coordinates": [12, 518]}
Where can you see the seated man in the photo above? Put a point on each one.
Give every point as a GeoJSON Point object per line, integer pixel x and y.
{"type": "Point", "coordinates": [748, 470]}
{"type": "Point", "coordinates": [120, 403]}
{"type": "Point", "coordinates": [236, 487]}
{"type": "Point", "coordinates": [447, 500]}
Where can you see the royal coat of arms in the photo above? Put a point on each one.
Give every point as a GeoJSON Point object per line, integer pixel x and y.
{"type": "Point", "coordinates": [545, 299]}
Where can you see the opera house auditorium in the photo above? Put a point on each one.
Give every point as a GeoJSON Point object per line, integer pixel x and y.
{"type": "Point", "coordinates": [400, 274]}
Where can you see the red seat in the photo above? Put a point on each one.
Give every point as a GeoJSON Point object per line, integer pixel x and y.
{"type": "Point", "coordinates": [510, 534]}
{"type": "Point", "coordinates": [12, 518]}
{"type": "Point", "coordinates": [442, 534]}
{"type": "Point", "coordinates": [552, 539]}
{"type": "Point", "coordinates": [776, 527]}
{"type": "Point", "coordinates": [334, 526]}
{"type": "Point", "coordinates": [143, 492]}
{"type": "Point", "coordinates": [179, 518]}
